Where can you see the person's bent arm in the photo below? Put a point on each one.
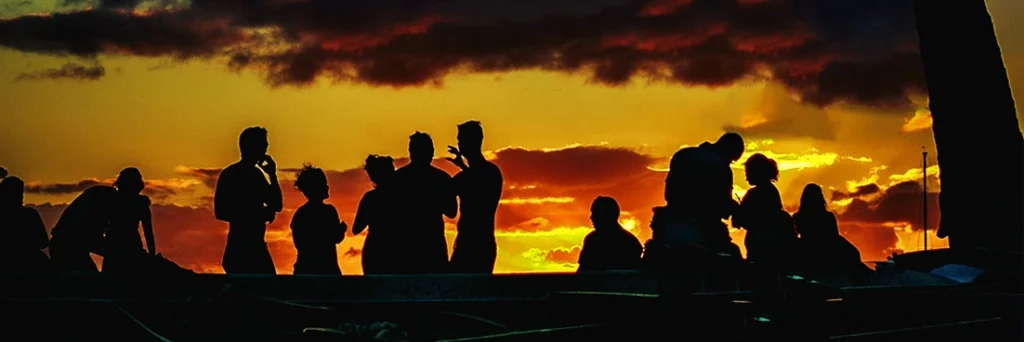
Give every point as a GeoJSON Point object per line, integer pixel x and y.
{"type": "Point", "coordinates": [450, 199]}
{"type": "Point", "coordinates": [147, 228]}
{"type": "Point", "coordinates": [39, 240]}
{"type": "Point", "coordinates": [362, 215]}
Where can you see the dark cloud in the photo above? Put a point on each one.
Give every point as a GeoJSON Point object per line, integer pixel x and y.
{"type": "Point", "coordinates": [900, 203]}
{"type": "Point", "coordinates": [854, 51]}
{"type": "Point", "coordinates": [860, 191]}
{"type": "Point", "coordinates": [562, 255]}
{"type": "Point", "coordinates": [62, 188]}
{"type": "Point", "coordinates": [67, 71]}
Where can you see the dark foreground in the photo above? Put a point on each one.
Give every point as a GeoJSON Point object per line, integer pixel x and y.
{"type": "Point", "coordinates": [895, 302]}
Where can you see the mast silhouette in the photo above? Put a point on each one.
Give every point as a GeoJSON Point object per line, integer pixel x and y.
{"type": "Point", "coordinates": [924, 202]}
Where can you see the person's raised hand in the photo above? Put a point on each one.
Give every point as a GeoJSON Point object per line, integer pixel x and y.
{"type": "Point", "coordinates": [457, 159]}
{"type": "Point", "coordinates": [269, 165]}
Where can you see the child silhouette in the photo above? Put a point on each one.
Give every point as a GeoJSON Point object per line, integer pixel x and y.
{"type": "Point", "coordinates": [316, 228]}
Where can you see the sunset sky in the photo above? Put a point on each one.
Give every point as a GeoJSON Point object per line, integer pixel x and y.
{"type": "Point", "coordinates": [577, 99]}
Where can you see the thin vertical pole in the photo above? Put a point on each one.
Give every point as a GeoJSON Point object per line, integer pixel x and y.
{"type": "Point", "coordinates": [924, 202]}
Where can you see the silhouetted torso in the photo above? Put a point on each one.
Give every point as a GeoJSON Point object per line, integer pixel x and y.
{"type": "Point", "coordinates": [80, 229]}
{"type": "Point", "coordinates": [123, 243]}
{"type": "Point", "coordinates": [612, 249]}
{"type": "Point", "coordinates": [769, 228]}
{"type": "Point", "coordinates": [316, 231]}
{"type": "Point", "coordinates": [479, 190]}
{"type": "Point", "coordinates": [22, 236]}
{"type": "Point", "coordinates": [698, 192]}
{"type": "Point", "coordinates": [425, 196]}
{"type": "Point", "coordinates": [382, 250]}
{"type": "Point", "coordinates": [242, 197]}
{"type": "Point", "coordinates": [820, 239]}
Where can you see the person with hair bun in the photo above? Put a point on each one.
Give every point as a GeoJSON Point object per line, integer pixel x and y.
{"type": "Point", "coordinates": [770, 232]}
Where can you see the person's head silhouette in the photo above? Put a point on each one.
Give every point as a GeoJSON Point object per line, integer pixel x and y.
{"type": "Point", "coordinates": [312, 182]}
{"type": "Point", "coordinates": [421, 149]}
{"type": "Point", "coordinates": [129, 181]}
{"type": "Point", "coordinates": [12, 192]}
{"type": "Point", "coordinates": [813, 199]}
{"type": "Point", "coordinates": [760, 170]}
{"type": "Point", "coordinates": [471, 138]}
{"type": "Point", "coordinates": [379, 168]}
{"type": "Point", "coordinates": [3, 172]}
{"type": "Point", "coordinates": [604, 213]}
{"type": "Point", "coordinates": [730, 146]}
{"type": "Point", "coordinates": [253, 144]}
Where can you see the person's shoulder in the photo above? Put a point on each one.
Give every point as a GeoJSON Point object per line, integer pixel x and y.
{"type": "Point", "coordinates": [590, 236]}
{"type": "Point", "coordinates": [29, 211]}
{"type": "Point", "coordinates": [144, 200]}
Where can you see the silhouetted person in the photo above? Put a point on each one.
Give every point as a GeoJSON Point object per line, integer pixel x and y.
{"type": "Point", "coordinates": [316, 228]}
{"type": "Point", "coordinates": [382, 249]}
{"type": "Point", "coordinates": [22, 233]}
{"type": "Point", "coordinates": [246, 200]}
{"type": "Point", "coordinates": [819, 231]}
{"type": "Point", "coordinates": [699, 195]}
{"type": "Point", "coordinates": [609, 246]}
{"type": "Point", "coordinates": [478, 187]}
{"type": "Point", "coordinates": [425, 197]}
{"type": "Point", "coordinates": [123, 251]}
{"type": "Point", "coordinates": [770, 233]}
{"type": "Point", "coordinates": [80, 229]}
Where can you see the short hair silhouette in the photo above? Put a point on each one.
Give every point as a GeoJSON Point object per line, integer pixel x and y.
{"type": "Point", "coordinates": [309, 178]}
{"type": "Point", "coordinates": [12, 190]}
{"type": "Point", "coordinates": [421, 147]}
{"type": "Point", "coordinates": [605, 207]}
{"type": "Point", "coordinates": [471, 130]}
{"type": "Point", "coordinates": [732, 145]}
{"type": "Point", "coordinates": [813, 198]}
{"type": "Point", "coordinates": [252, 137]}
{"type": "Point", "coordinates": [378, 166]}
{"type": "Point", "coordinates": [761, 168]}
{"type": "Point", "coordinates": [130, 180]}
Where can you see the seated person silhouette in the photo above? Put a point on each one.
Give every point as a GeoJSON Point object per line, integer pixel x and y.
{"type": "Point", "coordinates": [123, 251]}
{"type": "Point", "coordinates": [80, 229]}
{"type": "Point", "coordinates": [698, 196]}
{"type": "Point", "coordinates": [382, 247]}
{"type": "Point", "coordinates": [478, 187]}
{"type": "Point", "coordinates": [609, 246]}
{"type": "Point", "coordinates": [425, 197]}
{"type": "Point", "coordinates": [770, 232]}
{"type": "Point", "coordinates": [821, 243]}
{"type": "Point", "coordinates": [316, 228]}
{"type": "Point", "coordinates": [248, 202]}
{"type": "Point", "coordinates": [22, 233]}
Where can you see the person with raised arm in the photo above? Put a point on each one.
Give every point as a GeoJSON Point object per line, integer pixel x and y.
{"type": "Point", "coordinates": [478, 187]}
{"type": "Point", "coordinates": [248, 197]}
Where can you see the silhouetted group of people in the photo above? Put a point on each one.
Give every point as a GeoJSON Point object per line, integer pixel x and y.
{"type": "Point", "coordinates": [404, 217]}
{"type": "Point", "coordinates": [403, 214]}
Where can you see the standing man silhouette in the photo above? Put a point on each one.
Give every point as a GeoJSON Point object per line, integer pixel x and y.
{"type": "Point", "coordinates": [478, 187]}
{"type": "Point", "coordinates": [425, 197]}
{"type": "Point", "coordinates": [247, 202]}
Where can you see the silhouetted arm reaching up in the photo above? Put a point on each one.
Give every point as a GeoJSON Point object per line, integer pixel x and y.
{"type": "Point", "coordinates": [274, 198]}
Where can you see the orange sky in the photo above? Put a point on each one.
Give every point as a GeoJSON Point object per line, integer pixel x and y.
{"type": "Point", "coordinates": [560, 137]}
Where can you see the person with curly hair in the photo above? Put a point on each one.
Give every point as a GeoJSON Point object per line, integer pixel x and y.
{"type": "Point", "coordinates": [316, 228]}
{"type": "Point", "coordinates": [381, 249]}
{"type": "Point", "coordinates": [769, 227]}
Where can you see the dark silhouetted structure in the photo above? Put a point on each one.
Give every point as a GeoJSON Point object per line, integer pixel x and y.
{"type": "Point", "coordinates": [425, 196]}
{"type": "Point", "coordinates": [80, 229]}
{"type": "Point", "coordinates": [820, 241]}
{"type": "Point", "coordinates": [22, 233]}
{"type": "Point", "coordinates": [973, 111]}
{"type": "Point", "coordinates": [478, 187]}
{"type": "Point", "coordinates": [248, 202]}
{"type": "Point", "coordinates": [699, 195]}
{"type": "Point", "coordinates": [770, 234]}
{"type": "Point", "coordinates": [383, 248]}
{"type": "Point", "coordinates": [316, 228]}
{"type": "Point", "coordinates": [123, 251]}
{"type": "Point", "coordinates": [609, 247]}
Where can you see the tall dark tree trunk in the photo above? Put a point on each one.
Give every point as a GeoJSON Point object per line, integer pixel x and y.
{"type": "Point", "coordinates": [980, 148]}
